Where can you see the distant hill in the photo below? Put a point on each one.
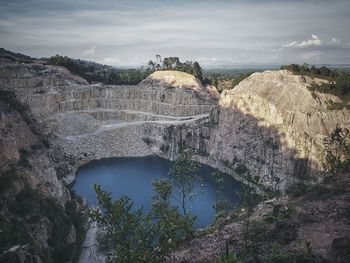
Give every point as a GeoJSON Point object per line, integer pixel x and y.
{"type": "Point", "coordinates": [6, 55]}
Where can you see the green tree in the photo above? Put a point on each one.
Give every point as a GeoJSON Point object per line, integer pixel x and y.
{"type": "Point", "coordinates": [184, 173]}
{"type": "Point", "coordinates": [249, 198]}
{"type": "Point", "coordinates": [197, 70]}
{"type": "Point", "coordinates": [221, 205]}
{"type": "Point", "coordinates": [139, 237]}
{"type": "Point", "coordinates": [171, 225]}
{"type": "Point", "coordinates": [132, 233]}
{"type": "Point", "coordinates": [337, 150]}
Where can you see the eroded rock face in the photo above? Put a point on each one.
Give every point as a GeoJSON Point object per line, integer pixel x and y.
{"type": "Point", "coordinates": [274, 125]}
{"type": "Point", "coordinates": [181, 80]}
{"type": "Point", "coordinates": [20, 145]}
{"type": "Point", "coordinates": [270, 124]}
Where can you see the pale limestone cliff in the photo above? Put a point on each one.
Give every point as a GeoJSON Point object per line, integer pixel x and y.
{"type": "Point", "coordinates": [270, 124]}
{"type": "Point", "coordinates": [17, 76]}
{"type": "Point", "coordinates": [181, 80]}
{"type": "Point", "coordinates": [273, 124]}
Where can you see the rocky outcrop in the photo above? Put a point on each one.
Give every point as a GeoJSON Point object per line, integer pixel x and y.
{"type": "Point", "coordinates": [20, 145]}
{"type": "Point", "coordinates": [270, 124]}
{"type": "Point", "coordinates": [181, 80]}
{"type": "Point", "coordinates": [274, 125]}
{"type": "Point", "coordinates": [18, 76]}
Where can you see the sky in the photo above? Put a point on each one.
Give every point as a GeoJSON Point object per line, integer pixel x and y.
{"type": "Point", "coordinates": [214, 33]}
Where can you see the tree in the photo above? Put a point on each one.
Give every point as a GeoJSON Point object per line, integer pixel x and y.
{"type": "Point", "coordinates": [184, 173]}
{"type": "Point", "coordinates": [136, 236]}
{"type": "Point", "coordinates": [249, 198]}
{"type": "Point", "coordinates": [337, 151]}
{"type": "Point", "coordinates": [171, 225]}
{"type": "Point", "coordinates": [131, 233]}
{"type": "Point", "coordinates": [221, 205]}
{"type": "Point", "coordinates": [197, 70]}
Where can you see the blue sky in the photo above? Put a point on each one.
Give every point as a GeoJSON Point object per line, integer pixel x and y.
{"type": "Point", "coordinates": [221, 32]}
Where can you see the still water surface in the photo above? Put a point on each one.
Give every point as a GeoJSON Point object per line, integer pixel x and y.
{"type": "Point", "coordinates": [134, 176]}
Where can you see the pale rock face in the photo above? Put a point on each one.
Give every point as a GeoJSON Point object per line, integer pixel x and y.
{"type": "Point", "coordinates": [181, 80]}
{"type": "Point", "coordinates": [16, 136]}
{"type": "Point", "coordinates": [275, 126]}
{"type": "Point", "coordinates": [270, 123]}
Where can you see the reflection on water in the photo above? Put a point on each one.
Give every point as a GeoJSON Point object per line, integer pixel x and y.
{"type": "Point", "coordinates": [134, 176]}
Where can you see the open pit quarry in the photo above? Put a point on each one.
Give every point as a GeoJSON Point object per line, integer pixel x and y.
{"type": "Point", "coordinates": [270, 124]}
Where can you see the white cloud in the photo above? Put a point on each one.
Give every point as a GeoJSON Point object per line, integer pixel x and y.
{"type": "Point", "coordinates": [90, 51]}
{"type": "Point", "coordinates": [313, 41]}
{"type": "Point", "coordinates": [335, 40]}
{"type": "Point", "coordinates": [110, 60]}
{"type": "Point", "coordinates": [315, 55]}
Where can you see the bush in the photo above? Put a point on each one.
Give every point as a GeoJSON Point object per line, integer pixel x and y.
{"type": "Point", "coordinates": [339, 82]}
{"type": "Point", "coordinates": [64, 253]}
{"type": "Point", "coordinates": [241, 169]}
{"type": "Point", "coordinates": [7, 179]}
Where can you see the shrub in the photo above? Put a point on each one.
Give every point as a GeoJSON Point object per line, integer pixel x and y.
{"type": "Point", "coordinates": [241, 169]}
{"type": "Point", "coordinates": [7, 179]}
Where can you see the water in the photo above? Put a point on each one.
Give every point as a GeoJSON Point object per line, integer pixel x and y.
{"type": "Point", "coordinates": [134, 176]}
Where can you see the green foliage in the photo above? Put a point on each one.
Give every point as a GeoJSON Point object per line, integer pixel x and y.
{"type": "Point", "coordinates": [20, 216]}
{"type": "Point", "coordinates": [248, 200]}
{"type": "Point", "coordinates": [229, 258]}
{"type": "Point", "coordinates": [197, 71]}
{"type": "Point", "coordinates": [312, 71]}
{"type": "Point", "coordinates": [278, 214]}
{"type": "Point", "coordinates": [140, 237]}
{"type": "Point", "coordinates": [237, 79]}
{"type": "Point", "coordinates": [14, 57]}
{"type": "Point", "coordinates": [306, 256]}
{"type": "Point", "coordinates": [293, 257]}
{"type": "Point", "coordinates": [297, 189]}
{"type": "Point", "coordinates": [7, 178]}
{"type": "Point", "coordinates": [23, 158]}
{"type": "Point", "coordinates": [174, 63]}
{"type": "Point", "coordinates": [339, 82]}
{"type": "Point", "coordinates": [94, 72]}
{"type": "Point", "coordinates": [317, 191]}
{"type": "Point", "coordinates": [241, 169]}
{"type": "Point", "coordinates": [226, 79]}
{"type": "Point", "coordinates": [132, 231]}
{"type": "Point", "coordinates": [222, 206]}
{"type": "Point", "coordinates": [172, 226]}
{"type": "Point", "coordinates": [337, 151]}
{"type": "Point", "coordinates": [184, 174]}
{"type": "Point", "coordinates": [10, 98]}
{"type": "Point", "coordinates": [338, 105]}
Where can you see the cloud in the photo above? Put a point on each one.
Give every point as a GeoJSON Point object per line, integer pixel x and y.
{"type": "Point", "coordinates": [111, 61]}
{"type": "Point", "coordinates": [90, 51]}
{"type": "Point", "coordinates": [313, 41]}
{"type": "Point", "coordinates": [221, 32]}
{"type": "Point", "coordinates": [314, 55]}
{"type": "Point", "coordinates": [335, 40]}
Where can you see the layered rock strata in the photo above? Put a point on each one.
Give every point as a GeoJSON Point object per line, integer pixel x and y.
{"type": "Point", "coordinates": [270, 125]}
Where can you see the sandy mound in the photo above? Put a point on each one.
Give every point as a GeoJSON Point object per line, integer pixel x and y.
{"type": "Point", "coordinates": [178, 79]}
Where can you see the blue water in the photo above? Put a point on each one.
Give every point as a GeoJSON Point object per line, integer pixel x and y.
{"type": "Point", "coordinates": [134, 176]}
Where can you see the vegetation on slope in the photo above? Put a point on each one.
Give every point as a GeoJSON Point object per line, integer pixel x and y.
{"type": "Point", "coordinates": [94, 72]}
{"type": "Point", "coordinates": [135, 236]}
{"type": "Point", "coordinates": [339, 82]}
{"type": "Point", "coordinates": [290, 228]}
{"type": "Point", "coordinates": [32, 223]}
{"type": "Point", "coordinates": [21, 220]}
{"type": "Point", "coordinates": [14, 57]}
